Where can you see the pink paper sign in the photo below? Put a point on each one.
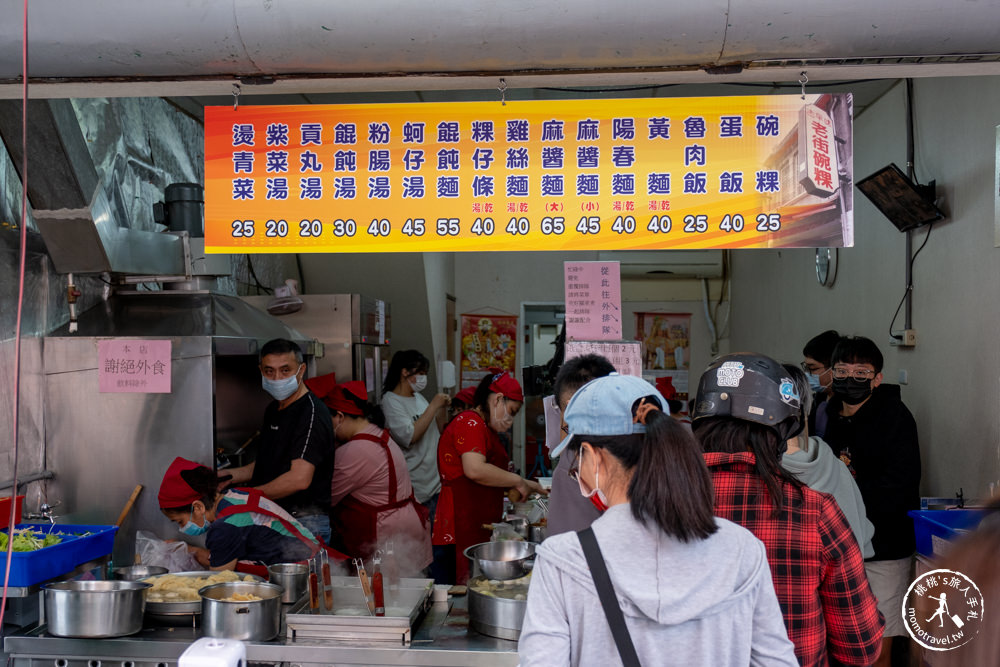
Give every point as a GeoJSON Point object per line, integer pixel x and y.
{"type": "Point", "coordinates": [593, 300]}
{"type": "Point", "coordinates": [133, 366]}
{"type": "Point", "coordinates": [624, 355]}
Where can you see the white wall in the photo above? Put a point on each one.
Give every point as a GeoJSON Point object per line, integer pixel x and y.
{"type": "Point", "coordinates": [954, 371]}
{"type": "Point", "coordinates": [439, 272]}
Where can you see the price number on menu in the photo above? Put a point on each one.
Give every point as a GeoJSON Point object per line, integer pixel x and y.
{"type": "Point", "coordinates": [623, 225]}
{"type": "Point", "coordinates": [345, 228]}
{"type": "Point", "coordinates": [448, 227]}
{"type": "Point", "coordinates": [768, 222]}
{"type": "Point", "coordinates": [589, 225]}
{"type": "Point", "coordinates": [243, 229]}
{"type": "Point", "coordinates": [518, 226]}
{"type": "Point", "coordinates": [731, 223]}
{"type": "Point", "coordinates": [483, 227]}
{"type": "Point", "coordinates": [660, 224]}
{"type": "Point", "coordinates": [553, 226]}
{"type": "Point", "coordinates": [379, 227]}
{"type": "Point", "coordinates": [310, 228]}
{"type": "Point", "coordinates": [695, 224]}
{"type": "Point", "coordinates": [414, 227]}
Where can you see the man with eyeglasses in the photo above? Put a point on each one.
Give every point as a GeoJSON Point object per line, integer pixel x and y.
{"type": "Point", "coordinates": [875, 435]}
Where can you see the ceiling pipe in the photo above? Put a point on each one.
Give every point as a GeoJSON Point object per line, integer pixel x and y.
{"type": "Point", "coordinates": [135, 40]}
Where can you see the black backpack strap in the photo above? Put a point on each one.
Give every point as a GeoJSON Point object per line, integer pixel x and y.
{"type": "Point", "coordinates": [606, 592]}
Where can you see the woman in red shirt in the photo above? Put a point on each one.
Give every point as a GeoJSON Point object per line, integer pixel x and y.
{"type": "Point", "coordinates": [474, 468]}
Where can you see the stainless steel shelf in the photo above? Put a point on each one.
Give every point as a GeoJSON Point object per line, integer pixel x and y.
{"type": "Point", "coordinates": [443, 639]}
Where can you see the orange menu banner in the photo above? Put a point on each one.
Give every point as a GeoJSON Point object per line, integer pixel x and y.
{"type": "Point", "coordinates": [717, 172]}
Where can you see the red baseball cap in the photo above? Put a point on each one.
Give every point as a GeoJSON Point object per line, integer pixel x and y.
{"type": "Point", "coordinates": [467, 395]}
{"type": "Point", "coordinates": [504, 384]}
{"type": "Point", "coordinates": [174, 491]}
{"type": "Point", "coordinates": [340, 398]}
{"type": "Point", "coordinates": [322, 385]}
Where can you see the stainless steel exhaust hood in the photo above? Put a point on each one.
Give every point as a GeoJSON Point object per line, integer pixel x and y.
{"type": "Point", "coordinates": [234, 326]}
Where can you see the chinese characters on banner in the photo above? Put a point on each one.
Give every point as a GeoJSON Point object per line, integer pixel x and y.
{"type": "Point", "coordinates": [715, 172]}
{"type": "Point", "coordinates": [625, 356]}
{"type": "Point", "coordinates": [133, 366]}
{"type": "Point", "coordinates": [488, 341]}
{"type": "Point", "coordinates": [666, 349]}
{"type": "Point", "coordinates": [593, 300]}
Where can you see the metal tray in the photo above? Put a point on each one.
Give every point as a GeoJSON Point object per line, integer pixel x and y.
{"type": "Point", "coordinates": [349, 619]}
{"type": "Point", "coordinates": [186, 612]}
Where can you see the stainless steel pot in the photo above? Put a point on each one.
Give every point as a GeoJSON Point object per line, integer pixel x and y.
{"type": "Point", "coordinates": [495, 616]}
{"type": "Point", "coordinates": [94, 609]}
{"type": "Point", "coordinates": [503, 560]}
{"type": "Point", "coordinates": [293, 577]}
{"type": "Point", "coordinates": [538, 533]}
{"type": "Point", "coordinates": [257, 620]}
{"type": "Point", "coordinates": [186, 612]}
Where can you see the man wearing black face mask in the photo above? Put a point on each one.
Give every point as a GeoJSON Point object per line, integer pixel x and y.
{"type": "Point", "coordinates": [874, 434]}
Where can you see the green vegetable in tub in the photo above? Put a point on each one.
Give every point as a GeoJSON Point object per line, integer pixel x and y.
{"type": "Point", "coordinates": [29, 540]}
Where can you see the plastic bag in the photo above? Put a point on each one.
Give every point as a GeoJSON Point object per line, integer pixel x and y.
{"type": "Point", "coordinates": [504, 532]}
{"type": "Point", "coordinates": [172, 555]}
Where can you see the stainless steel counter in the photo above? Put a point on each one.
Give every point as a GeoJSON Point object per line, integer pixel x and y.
{"type": "Point", "coordinates": [441, 639]}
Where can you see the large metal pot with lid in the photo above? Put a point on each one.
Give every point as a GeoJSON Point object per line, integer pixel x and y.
{"type": "Point", "coordinates": [244, 610]}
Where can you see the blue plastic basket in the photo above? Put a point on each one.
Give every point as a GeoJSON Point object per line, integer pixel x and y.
{"type": "Point", "coordinates": [935, 528]}
{"type": "Point", "coordinates": [28, 568]}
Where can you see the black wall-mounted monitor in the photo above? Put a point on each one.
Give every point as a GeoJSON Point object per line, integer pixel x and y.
{"type": "Point", "coordinates": [907, 205]}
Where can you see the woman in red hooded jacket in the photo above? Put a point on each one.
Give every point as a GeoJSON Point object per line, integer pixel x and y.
{"type": "Point", "coordinates": [475, 468]}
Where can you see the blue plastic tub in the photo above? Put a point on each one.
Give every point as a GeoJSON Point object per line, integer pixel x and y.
{"type": "Point", "coordinates": [934, 529]}
{"type": "Point", "coordinates": [33, 567]}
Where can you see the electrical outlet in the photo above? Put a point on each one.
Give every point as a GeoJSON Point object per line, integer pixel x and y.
{"type": "Point", "coordinates": [909, 338]}
{"type": "Point", "coordinates": [904, 376]}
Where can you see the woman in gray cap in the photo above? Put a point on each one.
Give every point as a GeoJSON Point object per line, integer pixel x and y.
{"type": "Point", "coordinates": [657, 579]}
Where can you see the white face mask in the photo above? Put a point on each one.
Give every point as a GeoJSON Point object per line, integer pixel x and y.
{"type": "Point", "coordinates": [596, 497]}
{"type": "Point", "coordinates": [281, 389]}
{"type": "Point", "coordinates": [500, 419]}
{"type": "Point", "coordinates": [418, 382]}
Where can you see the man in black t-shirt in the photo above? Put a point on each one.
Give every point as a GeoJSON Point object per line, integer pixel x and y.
{"type": "Point", "coordinates": [294, 464]}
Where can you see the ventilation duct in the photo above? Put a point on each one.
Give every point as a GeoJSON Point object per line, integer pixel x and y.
{"type": "Point", "coordinates": [266, 41]}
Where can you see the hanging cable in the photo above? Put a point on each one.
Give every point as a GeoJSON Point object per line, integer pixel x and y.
{"type": "Point", "coordinates": [909, 286]}
{"type": "Point", "coordinates": [911, 172]}
{"type": "Point", "coordinates": [22, 265]}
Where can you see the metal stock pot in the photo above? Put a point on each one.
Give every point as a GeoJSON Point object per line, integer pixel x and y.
{"type": "Point", "coordinates": [94, 609]}
{"type": "Point", "coordinates": [253, 620]}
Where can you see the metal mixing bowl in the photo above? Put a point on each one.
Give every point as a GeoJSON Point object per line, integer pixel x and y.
{"type": "Point", "coordinates": [503, 560]}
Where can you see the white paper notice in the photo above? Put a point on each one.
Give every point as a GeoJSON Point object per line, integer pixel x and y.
{"type": "Point", "coordinates": [370, 374]}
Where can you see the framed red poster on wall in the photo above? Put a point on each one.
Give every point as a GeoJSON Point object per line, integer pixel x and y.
{"type": "Point", "coordinates": [488, 341]}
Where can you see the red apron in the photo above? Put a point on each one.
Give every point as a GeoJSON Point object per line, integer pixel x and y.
{"type": "Point", "coordinates": [252, 505]}
{"type": "Point", "coordinates": [355, 524]}
{"type": "Point", "coordinates": [465, 506]}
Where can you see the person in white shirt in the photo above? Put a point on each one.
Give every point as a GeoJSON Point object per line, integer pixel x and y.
{"type": "Point", "coordinates": [415, 425]}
